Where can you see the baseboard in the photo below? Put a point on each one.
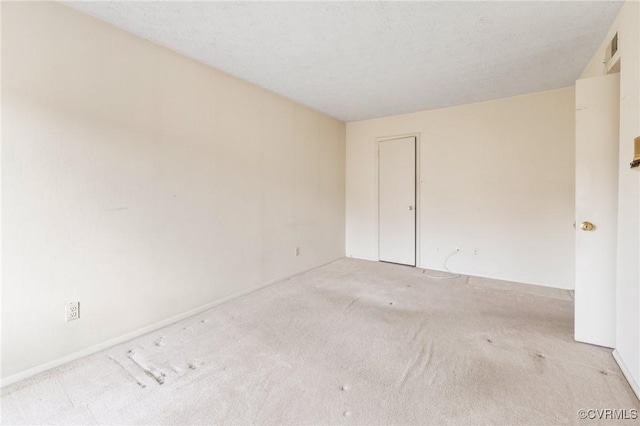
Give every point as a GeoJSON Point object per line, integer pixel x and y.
{"type": "Point", "coordinates": [627, 373]}
{"type": "Point", "coordinates": [491, 277]}
{"type": "Point", "coordinates": [370, 259]}
{"type": "Point", "coordinates": [140, 332]}
{"type": "Point", "coordinates": [554, 291]}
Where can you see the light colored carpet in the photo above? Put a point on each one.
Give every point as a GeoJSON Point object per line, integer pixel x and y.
{"type": "Point", "coordinates": [353, 342]}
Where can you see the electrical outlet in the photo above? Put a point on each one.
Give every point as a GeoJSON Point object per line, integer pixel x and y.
{"type": "Point", "coordinates": [297, 251]}
{"type": "Point", "coordinates": [476, 252]}
{"type": "Point", "coordinates": [72, 311]}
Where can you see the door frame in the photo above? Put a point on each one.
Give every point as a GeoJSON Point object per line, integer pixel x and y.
{"type": "Point", "coordinates": [417, 185]}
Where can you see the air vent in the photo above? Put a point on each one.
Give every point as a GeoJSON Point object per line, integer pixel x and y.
{"type": "Point", "coordinates": [612, 56]}
{"type": "Point", "coordinates": [613, 47]}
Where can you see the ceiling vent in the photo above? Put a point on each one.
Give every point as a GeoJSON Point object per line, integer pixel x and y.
{"type": "Point", "coordinates": [613, 47]}
{"type": "Point", "coordinates": [612, 58]}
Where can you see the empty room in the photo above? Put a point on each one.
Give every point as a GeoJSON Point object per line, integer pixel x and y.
{"type": "Point", "coordinates": [315, 212]}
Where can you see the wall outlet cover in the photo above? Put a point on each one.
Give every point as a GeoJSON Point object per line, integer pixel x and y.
{"type": "Point", "coordinates": [72, 311]}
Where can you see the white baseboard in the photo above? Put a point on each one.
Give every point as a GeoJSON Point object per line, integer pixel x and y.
{"type": "Point", "coordinates": [142, 331]}
{"type": "Point", "coordinates": [350, 256]}
{"type": "Point", "coordinates": [627, 373]}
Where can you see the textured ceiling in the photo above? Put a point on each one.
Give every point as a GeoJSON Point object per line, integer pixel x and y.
{"type": "Point", "coordinates": [361, 60]}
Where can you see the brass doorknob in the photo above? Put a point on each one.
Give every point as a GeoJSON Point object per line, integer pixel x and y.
{"type": "Point", "coordinates": [587, 226]}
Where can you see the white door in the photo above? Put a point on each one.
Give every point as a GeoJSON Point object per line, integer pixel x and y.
{"type": "Point", "coordinates": [597, 132]}
{"type": "Point", "coordinates": [397, 200]}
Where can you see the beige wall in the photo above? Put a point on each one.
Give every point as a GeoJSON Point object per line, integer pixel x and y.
{"type": "Point", "coordinates": [496, 176]}
{"type": "Point", "coordinates": [627, 24]}
{"type": "Point", "coordinates": [145, 185]}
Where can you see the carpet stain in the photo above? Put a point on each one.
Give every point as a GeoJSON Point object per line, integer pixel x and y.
{"type": "Point", "coordinates": [150, 370]}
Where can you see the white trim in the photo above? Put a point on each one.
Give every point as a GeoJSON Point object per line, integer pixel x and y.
{"type": "Point", "coordinates": [370, 259]}
{"type": "Point", "coordinates": [418, 198]}
{"type": "Point", "coordinates": [627, 373]}
{"type": "Point", "coordinates": [144, 330]}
